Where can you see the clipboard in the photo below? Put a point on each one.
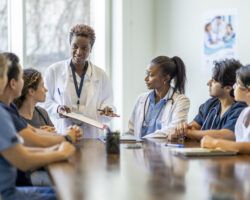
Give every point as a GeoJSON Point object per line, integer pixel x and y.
{"type": "Point", "coordinates": [192, 152]}
{"type": "Point", "coordinates": [85, 119]}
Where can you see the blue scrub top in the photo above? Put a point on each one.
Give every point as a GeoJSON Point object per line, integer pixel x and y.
{"type": "Point", "coordinates": [18, 121]}
{"type": "Point", "coordinates": [153, 116]}
{"type": "Point", "coordinates": [209, 115]}
{"type": "Point", "coordinates": [8, 139]}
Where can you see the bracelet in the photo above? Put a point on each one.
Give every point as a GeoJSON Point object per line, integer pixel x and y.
{"type": "Point", "coordinates": [68, 138]}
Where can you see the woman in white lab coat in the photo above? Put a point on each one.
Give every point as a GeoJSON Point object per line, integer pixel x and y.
{"type": "Point", "coordinates": [157, 112]}
{"type": "Point", "coordinates": [79, 86]}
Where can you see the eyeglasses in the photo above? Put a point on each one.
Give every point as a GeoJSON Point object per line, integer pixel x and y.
{"type": "Point", "coordinates": [241, 87]}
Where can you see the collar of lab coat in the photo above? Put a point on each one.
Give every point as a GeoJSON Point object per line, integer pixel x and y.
{"type": "Point", "coordinates": [90, 75]}
{"type": "Point", "coordinates": [167, 97]}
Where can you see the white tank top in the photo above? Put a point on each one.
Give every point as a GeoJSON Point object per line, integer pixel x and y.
{"type": "Point", "coordinates": [242, 127]}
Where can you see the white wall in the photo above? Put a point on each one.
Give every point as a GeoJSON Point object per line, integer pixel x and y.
{"type": "Point", "coordinates": [171, 27]}
{"type": "Point", "coordinates": [136, 42]}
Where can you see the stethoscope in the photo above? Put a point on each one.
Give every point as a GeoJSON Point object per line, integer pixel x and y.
{"type": "Point", "coordinates": [145, 111]}
{"type": "Point", "coordinates": [215, 116]}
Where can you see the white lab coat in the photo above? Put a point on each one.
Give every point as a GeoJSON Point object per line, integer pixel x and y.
{"type": "Point", "coordinates": [175, 111]}
{"type": "Point", "coordinates": [96, 93]}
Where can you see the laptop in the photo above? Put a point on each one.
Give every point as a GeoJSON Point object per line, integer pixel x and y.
{"type": "Point", "coordinates": [192, 152]}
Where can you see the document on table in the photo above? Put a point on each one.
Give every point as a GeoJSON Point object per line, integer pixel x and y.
{"type": "Point", "coordinates": [85, 119]}
{"type": "Point", "coordinates": [129, 138]}
{"type": "Point", "coordinates": [201, 152]}
{"type": "Point", "coordinates": [155, 135]}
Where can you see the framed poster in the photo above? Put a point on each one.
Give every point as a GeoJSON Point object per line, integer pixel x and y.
{"type": "Point", "coordinates": [220, 36]}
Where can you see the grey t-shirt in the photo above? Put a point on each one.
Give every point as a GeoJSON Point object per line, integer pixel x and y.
{"type": "Point", "coordinates": [40, 118]}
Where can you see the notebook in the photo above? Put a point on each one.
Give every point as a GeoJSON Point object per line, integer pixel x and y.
{"type": "Point", "coordinates": [123, 139]}
{"type": "Point", "coordinates": [201, 152]}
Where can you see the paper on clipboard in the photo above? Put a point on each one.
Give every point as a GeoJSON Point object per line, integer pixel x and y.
{"type": "Point", "coordinates": [84, 119]}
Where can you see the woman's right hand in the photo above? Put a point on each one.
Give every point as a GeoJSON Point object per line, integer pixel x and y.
{"type": "Point", "coordinates": [62, 109]}
{"type": "Point", "coordinates": [66, 149]}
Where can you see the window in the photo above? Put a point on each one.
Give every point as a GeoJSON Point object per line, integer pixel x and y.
{"type": "Point", "coordinates": [46, 28]}
{"type": "Point", "coordinates": [3, 25]}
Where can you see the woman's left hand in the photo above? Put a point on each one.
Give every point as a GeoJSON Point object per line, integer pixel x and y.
{"type": "Point", "coordinates": [108, 112]}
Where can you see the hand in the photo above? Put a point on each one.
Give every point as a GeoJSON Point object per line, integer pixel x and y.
{"type": "Point", "coordinates": [179, 132]}
{"type": "Point", "coordinates": [66, 149]}
{"type": "Point", "coordinates": [182, 129]}
{"type": "Point", "coordinates": [108, 112]}
{"type": "Point", "coordinates": [172, 136]}
{"type": "Point", "coordinates": [75, 133]}
{"type": "Point", "coordinates": [208, 142]}
{"type": "Point", "coordinates": [50, 129]}
{"type": "Point", "coordinates": [62, 109]}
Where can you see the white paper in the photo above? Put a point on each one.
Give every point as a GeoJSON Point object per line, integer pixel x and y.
{"type": "Point", "coordinates": [84, 119]}
{"type": "Point", "coordinates": [155, 135]}
{"type": "Point", "coordinates": [129, 138]}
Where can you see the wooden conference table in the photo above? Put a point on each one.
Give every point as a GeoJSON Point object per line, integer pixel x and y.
{"type": "Point", "coordinates": [151, 172]}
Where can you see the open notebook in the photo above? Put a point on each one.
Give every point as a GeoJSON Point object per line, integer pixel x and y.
{"type": "Point", "coordinates": [201, 152]}
{"type": "Point", "coordinates": [84, 119]}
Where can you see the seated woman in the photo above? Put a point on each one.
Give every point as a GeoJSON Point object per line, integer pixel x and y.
{"type": "Point", "coordinates": [158, 111]}
{"type": "Point", "coordinates": [33, 92]}
{"type": "Point", "coordinates": [28, 158]}
{"type": "Point", "coordinates": [242, 127]}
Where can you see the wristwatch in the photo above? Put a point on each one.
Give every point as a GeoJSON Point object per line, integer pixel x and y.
{"type": "Point", "coordinates": [68, 138]}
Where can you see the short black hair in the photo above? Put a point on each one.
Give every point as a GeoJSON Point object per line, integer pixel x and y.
{"type": "Point", "coordinates": [13, 65]}
{"type": "Point", "coordinates": [244, 75]}
{"type": "Point", "coordinates": [224, 72]}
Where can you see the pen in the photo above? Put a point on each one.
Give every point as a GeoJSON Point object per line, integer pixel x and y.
{"type": "Point", "coordinates": [58, 91]}
{"type": "Point", "coordinates": [175, 145]}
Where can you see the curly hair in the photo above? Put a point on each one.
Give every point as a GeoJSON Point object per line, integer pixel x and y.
{"type": "Point", "coordinates": [31, 78]}
{"type": "Point", "coordinates": [82, 30]}
{"type": "Point", "coordinates": [3, 64]}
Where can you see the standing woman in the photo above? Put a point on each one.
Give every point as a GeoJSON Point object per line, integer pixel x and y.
{"type": "Point", "coordinates": [79, 86]}
{"type": "Point", "coordinates": [33, 92]}
{"type": "Point", "coordinates": [158, 111]}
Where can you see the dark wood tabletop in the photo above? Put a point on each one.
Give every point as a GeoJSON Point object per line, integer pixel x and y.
{"type": "Point", "coordinates": [150, 172]}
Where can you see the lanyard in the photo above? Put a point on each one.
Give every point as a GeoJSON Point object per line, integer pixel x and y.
{"type": "Point", "coordinates": [78, 89]}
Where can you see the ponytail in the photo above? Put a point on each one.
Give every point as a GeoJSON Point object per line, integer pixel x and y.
{"type": "Point", "coordinates": [180, 75]}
